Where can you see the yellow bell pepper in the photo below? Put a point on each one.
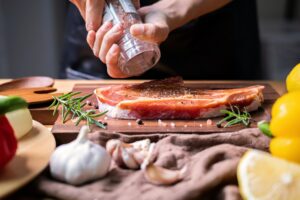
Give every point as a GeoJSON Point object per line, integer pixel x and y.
{"type": "Point", "coordinates": [286, 116]}
{"type": "Point", "coordinates": [293, 79]}
{"type": "Point", "coordinates": [285, 123]}
{"type": "Point", "coordinates": [286, 148]}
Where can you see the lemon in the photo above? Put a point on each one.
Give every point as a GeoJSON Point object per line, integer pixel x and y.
{"type": "Point", "coordinates": [293, 79]}
{"type": "Point", "coordinates": [263, 177]}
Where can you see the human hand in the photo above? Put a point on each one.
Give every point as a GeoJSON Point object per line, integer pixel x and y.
{"type": "Point", "coordinates": [91, 11]}
{"type": "Point", "coordinates": [103, 42]}
{"type": "Point", "coordinates": [155, 27]}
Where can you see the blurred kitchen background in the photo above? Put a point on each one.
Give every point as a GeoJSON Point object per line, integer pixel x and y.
{"type": "Point", "coordinates": [42, 21]}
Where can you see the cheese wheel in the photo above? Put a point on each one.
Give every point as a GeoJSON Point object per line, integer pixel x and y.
{"type": "Point", "coordinates": [20, 120]}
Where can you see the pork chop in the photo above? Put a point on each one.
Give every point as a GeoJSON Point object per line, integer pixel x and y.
{"type": "Point", "coordinates": [170, 99]}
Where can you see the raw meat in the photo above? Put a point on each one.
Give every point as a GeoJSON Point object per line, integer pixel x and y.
{"type": "Point", "coordinates": [170, 99]}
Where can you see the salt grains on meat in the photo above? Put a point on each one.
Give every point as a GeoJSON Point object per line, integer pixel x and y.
{"type": "Point", "coordinates": [209, 122]}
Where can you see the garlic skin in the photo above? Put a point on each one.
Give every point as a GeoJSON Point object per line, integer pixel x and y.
{"type": "Point", "coordinates": [129, 155]}
{"type": "Point", "coordinates": [80, 160]}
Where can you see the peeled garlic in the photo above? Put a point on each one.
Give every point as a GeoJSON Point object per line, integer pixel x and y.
{"type": "Point", "coordinates": [79, 161]}
{"type": "Point", "coordinates": [129, 159]}
{"type": "Point", "coordinates": [158, 175]}
{"type": "Point", "coordinates": [129, 155]}
{"type": "Point", "coordinates": [161, 176]}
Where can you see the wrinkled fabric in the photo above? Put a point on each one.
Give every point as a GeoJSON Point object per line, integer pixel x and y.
{"type": "Point", "coordinates": [211, 161]}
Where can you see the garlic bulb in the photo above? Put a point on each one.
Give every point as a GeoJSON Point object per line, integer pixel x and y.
{"type": "Point", "coordinates": [79, 161]}
{"type": "Point", "coordinates": [129, 155]}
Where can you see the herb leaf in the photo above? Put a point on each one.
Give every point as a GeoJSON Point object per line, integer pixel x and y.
{"type": "Point", "coordinates": [235, 116]}
{"type": "Point", "coordinates": [72, 106]}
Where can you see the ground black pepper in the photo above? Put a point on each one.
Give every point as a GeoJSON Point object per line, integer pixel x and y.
{"type": "Point", "coordinates": [139, 122]}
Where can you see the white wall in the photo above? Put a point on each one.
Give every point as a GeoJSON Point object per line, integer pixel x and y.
{"type": "Point", "coordinates": [280, 38]}
{"type": "Point", "coordinates": [30, 37]}
{"type": "Point", "coordinates": [3, 60]}
{"type": "Point", "coordinates": [274, 9]}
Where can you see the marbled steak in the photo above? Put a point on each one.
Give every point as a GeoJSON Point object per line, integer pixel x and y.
{"type": "Point", "coordinates": [170, 99]}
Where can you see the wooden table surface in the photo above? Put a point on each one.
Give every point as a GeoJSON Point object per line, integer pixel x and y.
{"type": "Point", "coordinates": [67, 85]}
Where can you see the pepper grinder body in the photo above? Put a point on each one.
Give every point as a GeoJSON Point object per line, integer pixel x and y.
{"type": "Point", "coordinates": [136, 56]}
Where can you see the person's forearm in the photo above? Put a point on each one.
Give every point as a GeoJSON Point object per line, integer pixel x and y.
{"type": "Point", "coordinates": [180, 12]}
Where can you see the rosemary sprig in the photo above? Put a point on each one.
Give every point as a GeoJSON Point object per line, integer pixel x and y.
{"type": "Point", "coordinates": [235, 116]}
{"type": "Point", "coordinates": [72, 104]}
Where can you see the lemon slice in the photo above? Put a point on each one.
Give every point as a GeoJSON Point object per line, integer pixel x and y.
{"type": "Point", "coordinates": [263, 177]}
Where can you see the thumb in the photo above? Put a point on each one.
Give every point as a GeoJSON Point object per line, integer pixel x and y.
{"type": "Point", "coordinates": [149, 32]}
{"type": "Point", "coordinates": [155, 29]}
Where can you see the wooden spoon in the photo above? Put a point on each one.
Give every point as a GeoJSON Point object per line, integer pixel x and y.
{"type": "Point", "coordinates": [33, 95]}
{"type": "Point", "coordinates": [28, 82]}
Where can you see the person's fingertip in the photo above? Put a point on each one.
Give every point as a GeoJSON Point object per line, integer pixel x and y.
{"type": "Point", "coordinates": [89, 27]}
{"type": "Point", "coordinates": [118, 28]}
{"type": "Point", "coordinates": [107, 24]}
{"type": "Point", "coordinates": [114, 72]}
{"type": "Point", "coordinates": [95, 52]}
{"type": "Point", "coordinates": [115, 49]}
{"type": "Point", "coordinates": [93, 33]}
{"type": "Point", "coordinates": [91, 38]}
{"type": "Point", "coordinates": [112, 60]}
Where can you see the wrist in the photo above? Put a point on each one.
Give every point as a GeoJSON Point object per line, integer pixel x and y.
{"type": "Point", "coordinates": [180, 12]}
{"type": "Point", "coordinates": [177, 12]}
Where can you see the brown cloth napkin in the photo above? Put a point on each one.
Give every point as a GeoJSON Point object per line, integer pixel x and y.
{"type": "Point", "coordinates": [211, 160]}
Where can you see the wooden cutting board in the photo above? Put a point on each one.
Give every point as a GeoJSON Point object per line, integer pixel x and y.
{"type": "Point", "coordinates": [68, 131]}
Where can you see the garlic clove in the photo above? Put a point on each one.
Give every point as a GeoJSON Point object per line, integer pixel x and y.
{"type": "Point", "coordinates": [149, 157]}
{"type": "Point", "coordinates": [140, 156]}
{"type": "Point", "coordinates": [158, 175]}
{"type": "Point", "coordinates": [161, 176]}
{"type": "Point", "coordinates": [142, 144]}
{"type": "Point", "coordinates": [128, 159]}
{"type": "Point", "coordinates": [130, 155]}
{"type": "Point", "coordinates": [117, 156]}
{"type": "Point", "coordinates": [111, 145]}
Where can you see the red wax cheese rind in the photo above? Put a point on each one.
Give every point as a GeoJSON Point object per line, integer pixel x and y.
{"type": "Point", "coordinates": [8, 142]}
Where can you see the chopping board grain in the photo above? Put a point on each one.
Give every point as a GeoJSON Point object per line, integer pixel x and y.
{"type": "Point", "coordinates": [68, 131]}
{"type": "Point", "coordinates": [33, 96]}
{"type": "Point", "coordinates": [43, 114]}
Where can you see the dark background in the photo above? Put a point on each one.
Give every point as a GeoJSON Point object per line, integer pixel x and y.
{"type": "Point", "coordinates": [31, 37]}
